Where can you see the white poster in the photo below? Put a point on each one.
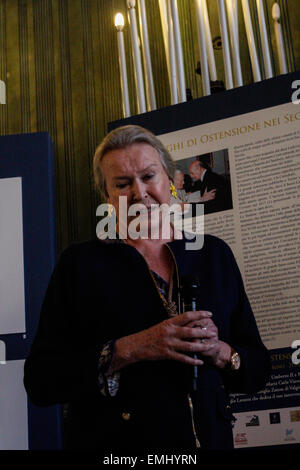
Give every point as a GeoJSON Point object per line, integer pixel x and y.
{"type": "Point", "coordinates": [12, 297]}
{"type": "Point", "coordinates": [13, 407]}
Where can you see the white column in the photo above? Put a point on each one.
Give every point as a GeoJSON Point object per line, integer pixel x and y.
{"type": "Point", "coordinates": [209, 45]}
{"type": "Point", "coordinates": [119, 24]}
{"type": "Point", "coordinates": [232, 15]}
{"type": "Point", "coordinates": [172, 57]}
{"type": "Point", "coordinates": [264, 39]}
{"type": "Point", "coordinates": [2, 92]}
{"type": "Point", "coordinates": [279, 39]}
{"type": "Point", "coordinates": [164, 25]}
{"type": "Point", "coordinates": [225, 42]}
{"type": "Point", "coordinates": [150, 91]}
{"type": "Point", "coordinates": [179, 54]}
{"type": "Point", "coordinates": [251, 41]}
{"type": "Point", "coordinates": [137, 58]}
{"type": "Point", "coordinates": [202, 48]}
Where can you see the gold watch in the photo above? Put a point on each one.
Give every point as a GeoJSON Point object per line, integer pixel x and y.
{"type": "Point", "coordinates": [235, 360]}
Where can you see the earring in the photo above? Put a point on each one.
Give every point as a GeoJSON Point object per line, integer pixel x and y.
{"type": "Point", "coordinates": [173, 190]}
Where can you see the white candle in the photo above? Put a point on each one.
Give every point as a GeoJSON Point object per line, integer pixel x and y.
{"type": "Point", "coordinates": [119, 24]}
{"type": "Point", "coordinates": [225, 43]}
{"type": "Point", "coordinates": [164, 25]}
{"type": "Point", "coordinates": [251, 41]}
{"type": "Point", "coordinates": [264, 39]}
{"type": "Point", "coordinates": [279, 39]}
{"type": "Point", "coordinates": [172, 57]}
{"type": "Point", "coordinates": [209, 45]}
{"type": "Point", "coordinates": [236, 14]}
{"type": "Point", "coordinates": [150, 91]}
{"type": "Point", "coordinates": [137, 58]}
{"type": "Point", "coordinates": [179, 55]}
{"type": "Point", "coordinates": [232, 14]}
{"type": "Point", "coordinates": [202, 48]}
{"type": "Point", "coordinates": [2, 92]}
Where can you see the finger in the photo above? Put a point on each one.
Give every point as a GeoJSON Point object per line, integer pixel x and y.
{"type": "Point", "coordinates": [192, 346]}
{"type": "Point", "coordinates": [206, 322]}
{"type": "Point", "coordinates": [204, 340]}
{"type": "Point", "coordinates": [205, 325]}
{"type": "Point", "coordinates": [212, 352]}
{"type": "Point", "coordinates": [186, 359]}
{"type": "Point", "coordinates": [210, 327]}
{"type": "Point", "coordinates": [189, 316]}
{"type": "Point", "coordinates": [202, 333]}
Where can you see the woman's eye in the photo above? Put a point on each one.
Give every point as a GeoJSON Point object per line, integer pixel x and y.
{"type": "Point", "coordinates": [121, 185]}
{"type": "Point", "coordinates": [148, 177]}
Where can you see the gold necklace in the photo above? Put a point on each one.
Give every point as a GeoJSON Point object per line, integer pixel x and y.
{"type": "Point", "coordinates": [169, 304]}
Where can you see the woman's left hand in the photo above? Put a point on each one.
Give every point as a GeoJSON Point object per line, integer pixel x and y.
{"type": "Point", "coordinates": [219, 353]}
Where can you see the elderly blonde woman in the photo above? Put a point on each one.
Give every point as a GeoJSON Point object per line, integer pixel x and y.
{"type": "Point", "coordinates": [113, 341]}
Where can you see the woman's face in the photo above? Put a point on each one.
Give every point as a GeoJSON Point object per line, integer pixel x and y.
{"type": "Point", "coordinates": [137, 173]}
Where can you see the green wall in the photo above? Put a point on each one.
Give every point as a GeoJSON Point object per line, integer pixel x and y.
{"type": "Point", "coordinates": [59, 60]}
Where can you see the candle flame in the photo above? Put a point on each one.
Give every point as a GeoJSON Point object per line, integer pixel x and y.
{"type": "Point", "coordinates": [119, 21]}
{"type": "Point", "coordinates": [276, 12]}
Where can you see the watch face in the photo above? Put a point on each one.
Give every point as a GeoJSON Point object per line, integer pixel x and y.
{"type": "Point", "coordinates": [235, 361]}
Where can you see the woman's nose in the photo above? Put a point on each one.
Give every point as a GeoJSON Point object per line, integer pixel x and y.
{"type": "Point", "coordinates": [138, 191]}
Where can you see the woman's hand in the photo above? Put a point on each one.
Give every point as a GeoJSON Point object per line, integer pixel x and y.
{"type": "Point", "coordinates": [208, 195]}
{"type": "Point", "coordinates": [176, 338]}
{"type": "Point", "coordinates": [219, 353]}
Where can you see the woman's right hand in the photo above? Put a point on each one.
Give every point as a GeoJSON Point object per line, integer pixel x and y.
{"type": "Point", "coordinates": [173, 339]}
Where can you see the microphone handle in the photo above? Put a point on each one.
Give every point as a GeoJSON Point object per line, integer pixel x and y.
{"type": "Point", "coordinates": [192, 307]}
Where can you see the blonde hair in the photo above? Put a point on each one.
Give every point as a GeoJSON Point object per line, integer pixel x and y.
{"type": "Point", "coordinates": [123, 137]}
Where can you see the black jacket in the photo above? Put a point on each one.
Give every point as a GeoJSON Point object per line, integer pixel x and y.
{"type": "Point", "coordinates": [100, 291]}
{"type": "Point", "coordinates": [223, 199]}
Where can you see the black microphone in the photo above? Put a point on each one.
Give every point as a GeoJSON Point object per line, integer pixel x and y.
{"type": "Point", "coordinates": [189, 295]}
